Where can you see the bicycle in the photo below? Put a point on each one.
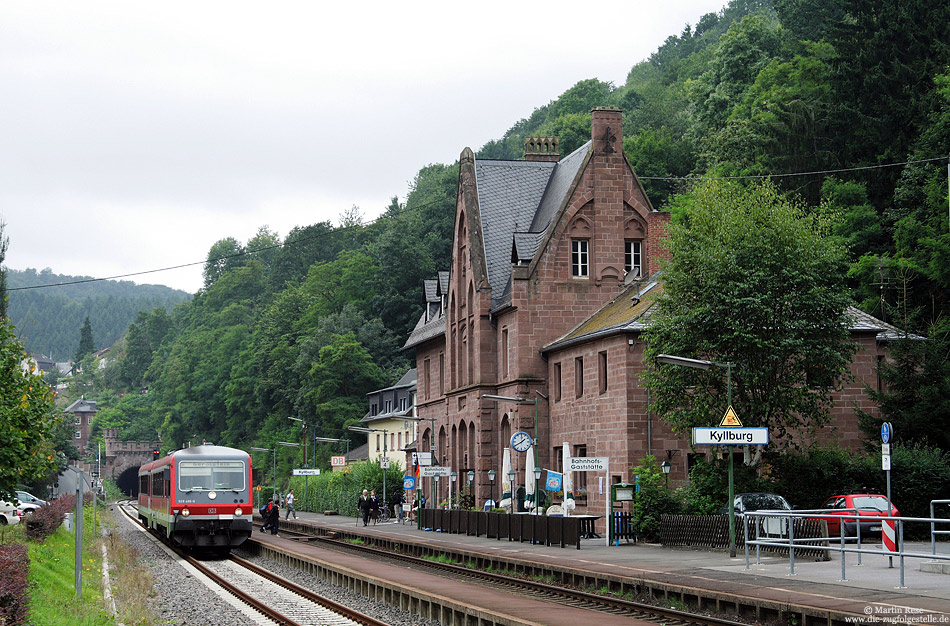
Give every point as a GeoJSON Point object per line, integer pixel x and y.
{"type": "Point", "coordinates": [383, 515]}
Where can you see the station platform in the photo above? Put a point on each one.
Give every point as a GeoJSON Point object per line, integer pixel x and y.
{"type": "Point", "coordinates": [872, 591]}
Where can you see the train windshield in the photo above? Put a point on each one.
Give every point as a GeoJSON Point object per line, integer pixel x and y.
{"type": "Point", "coordinates": [211, 475]}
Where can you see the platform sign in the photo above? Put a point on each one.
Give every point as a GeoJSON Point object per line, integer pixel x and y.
{"type": "Point", "coordinates": [337, 461]}
{"type": "Point", "coordinates": [421, 458]}
{"type": "Point", "coordinates": [306, 472]}
{"type": "Point", "coordinates": [587, 464]}
{"type": "Point", "coordinates": [384, 462]}
{"type": "Point", "coordinates": [435, 470]}
{"type": "Point", "coordinates": [730, 436]}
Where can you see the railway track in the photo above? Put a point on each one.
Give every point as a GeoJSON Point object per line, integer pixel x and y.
{"type": "Point", "coordinates": [280, 600]}
{"type": "Point", "coordinates": [539, 590]}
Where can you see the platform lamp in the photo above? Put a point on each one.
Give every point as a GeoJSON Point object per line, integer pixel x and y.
{"type": "Point", "coordinates": [700, 364]}
{"type": "Point", "coordinates": [453, 476]}
{"type": "Point", "coordinates": [537, 494]}
{"type": "Point", "coordinates": [511, 481]}
{"type": "Point", "coordinates": [297, 445]}
{"type": "Point", "coordinates": [367, 431]}
{"type": "Point", "coordinates": [666, 467]}
{"type": "Point", "coordinates": [274, 450]}
{"type": "Point", "coordinates": [471, 477]}
{"type": "Point", "coordinates": [491, 482]}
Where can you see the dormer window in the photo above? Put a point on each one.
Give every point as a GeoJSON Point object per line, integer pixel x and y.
{"type": "Point", "coordinates": [373, 410]}
{"type": "Point", "coordinates": [633, 258]}
{"type": "Point", "coordinates": [580, 258]}
{"type": "Point", "coordinates": [389, 406]}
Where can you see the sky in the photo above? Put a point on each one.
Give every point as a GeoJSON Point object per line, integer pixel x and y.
{"type": "Point", "coordinates": [136, 135]}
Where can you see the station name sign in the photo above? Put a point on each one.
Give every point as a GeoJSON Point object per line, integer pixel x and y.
{"type": "Point", "coordinates": [730, 436]}
{"type": "Point", "coordinates": [307, 472]}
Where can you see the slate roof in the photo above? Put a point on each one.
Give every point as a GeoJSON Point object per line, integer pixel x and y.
{"type": "Point", "coordinates": [518, 201]}
{"type": "Point", "coordinates": [82, 405]}
{"type": "Point", "coordinates": [632, 310]}
{"type": "Point", "coordinates": [424, 331]}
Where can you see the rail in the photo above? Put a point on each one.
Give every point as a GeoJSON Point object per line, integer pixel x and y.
{"type": "Point", "coordinates": [786, 537]}
{"type": "Point", "coordinates": [933, 527]}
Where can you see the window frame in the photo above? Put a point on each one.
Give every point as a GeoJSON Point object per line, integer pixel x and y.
{"type": "Point", "coordinates": [580, 258]}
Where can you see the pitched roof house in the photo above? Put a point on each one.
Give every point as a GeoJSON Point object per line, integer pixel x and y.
{"type": "Point", "coordinates": [551, 282]}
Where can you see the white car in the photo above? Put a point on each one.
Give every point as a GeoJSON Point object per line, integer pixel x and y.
{"type": "Point", "coordinates": [8, 514]}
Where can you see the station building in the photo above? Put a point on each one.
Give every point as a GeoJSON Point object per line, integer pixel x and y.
{"type": "Point", "coordinates": [552, 281]}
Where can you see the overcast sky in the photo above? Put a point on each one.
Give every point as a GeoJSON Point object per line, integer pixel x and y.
{"type": "Point", "coordinates": [135, 135]}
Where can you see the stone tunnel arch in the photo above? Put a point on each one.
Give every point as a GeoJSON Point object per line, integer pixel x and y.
{"type": "Point", "coordinates": [128, 481]}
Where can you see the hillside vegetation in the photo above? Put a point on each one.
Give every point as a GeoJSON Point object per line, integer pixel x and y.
{"type": "Point", "coordinates": [845, 103]}
{"type": "Point", "coordinates": [49, 320]}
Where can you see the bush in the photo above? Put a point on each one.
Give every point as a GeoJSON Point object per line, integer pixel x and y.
{"type": "Point", "coordinates": [653, 500]}
{"type": "Point", "coordinates": [46, 519]}
{"type": "Point", "coordinates": [708, 488]}
{"type": "Point", "coordinates": [14, 569]}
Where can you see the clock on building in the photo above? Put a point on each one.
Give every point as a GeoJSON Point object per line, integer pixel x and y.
{"type": "Point", "coordinates": [521, 441]}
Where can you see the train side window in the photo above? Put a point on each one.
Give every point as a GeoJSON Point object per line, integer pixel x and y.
{"type": "Point", "coordinates": [167, 482]}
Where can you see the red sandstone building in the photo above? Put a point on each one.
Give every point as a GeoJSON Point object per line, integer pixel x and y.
{"type": "Point", "coordinates": [545, 300]}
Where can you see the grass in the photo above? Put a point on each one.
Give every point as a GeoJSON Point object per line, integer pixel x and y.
{"type": "Point", "coordinates": [54, 601]}
{"type": "Point", "coordinates": [441, 558]}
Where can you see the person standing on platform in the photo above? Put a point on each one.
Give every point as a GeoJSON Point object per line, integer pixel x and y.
{"type": "Point", "coordinates": [363, 506]}
{"type": "Point", "coordinates": [290, 505]}
{"type": "Point", "coordinates": [273, 519]}
{"type": "Point", "coordinates": [374, 506]}
{"type": "Point", "coordinates": [265, 513]}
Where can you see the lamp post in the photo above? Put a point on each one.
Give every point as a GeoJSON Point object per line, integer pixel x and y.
{"type": "Point", "coordinates": [297, 445]}
{"type": "Point", "coordinates": [665, 466]}
{"type": "Point", "coordinates": [537, 494]}
{"type": "Point", "coordinates": [511, 481]}
{"type": "Point", "coordinates": [471, 477]}
{"type": "Point", "coordinates": [491, 488]}
{"type": "Point", "coordinates": [313, 429]}
{"type": "Point", "coordinates": [700, 364]}
{"type": "Point", "coordinates": [453, 476]}
{"type": "Point", "coordinates": [534, 444]}
{"type": "Point", "coordinates": [360, 429]}
{"type": "Point", "coordinates": [274, 450]}
{"type": "Point", "coordinates": [435, 487]}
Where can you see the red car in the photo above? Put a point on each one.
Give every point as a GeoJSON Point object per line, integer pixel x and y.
{"type": "Point", "coordinates": [868, 505]}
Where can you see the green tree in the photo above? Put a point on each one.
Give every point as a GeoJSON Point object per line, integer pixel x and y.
{"type": "Point", "coordinates": [27, 418]}
{"type": "Point", "coordinates": [753, 282]}
{"type": "Point", "coordinates": [916, 394]}
{"type": "Point", "coordinates": [86, 343]}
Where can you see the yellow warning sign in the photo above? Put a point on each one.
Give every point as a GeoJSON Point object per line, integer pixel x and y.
{"type": "Point", "coordinates": [730, 419]}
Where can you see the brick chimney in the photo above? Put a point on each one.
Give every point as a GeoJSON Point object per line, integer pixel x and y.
{"type": "Point", "coordinates": [541, 149]}
{"type": "Point", "coordinates": [606, 132]}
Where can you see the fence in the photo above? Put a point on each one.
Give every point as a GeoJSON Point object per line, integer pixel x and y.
{"type": "Point", "coordinates": [712, 531]}
{"type": "Point", "coordinates": [791, 541]}
{"type": "Point", "coordinates": [561, 531]}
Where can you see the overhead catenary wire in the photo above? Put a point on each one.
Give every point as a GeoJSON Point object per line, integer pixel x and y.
{"type": "Point", "coordinates": [371, 222]}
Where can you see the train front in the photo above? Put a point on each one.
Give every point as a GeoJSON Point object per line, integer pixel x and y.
{"type": "Point", "coordinates": [212, 507]}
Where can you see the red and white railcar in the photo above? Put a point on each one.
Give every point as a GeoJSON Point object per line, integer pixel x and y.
{"type": "Point", "coordinates": [198, 497]}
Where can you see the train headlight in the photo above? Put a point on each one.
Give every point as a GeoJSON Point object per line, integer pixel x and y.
{"type": "Point", "coordinates": [185, 512]}
{"type": "Point", "coordinates": [239, 511]}
{"type": "Point", "coordinates": [212, 495]}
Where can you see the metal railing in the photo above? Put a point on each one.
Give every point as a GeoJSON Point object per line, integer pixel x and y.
{"type": "Point", "coordinates": [933, 527]}
{"type": "Point", "coordinates": [785, 535]}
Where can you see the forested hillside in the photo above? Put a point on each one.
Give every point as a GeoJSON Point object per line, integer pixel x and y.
{"type": "Point", "coordinates": [48, 320]}
{"type": "Point", "coordinates": [844, 103]}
